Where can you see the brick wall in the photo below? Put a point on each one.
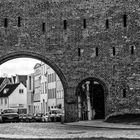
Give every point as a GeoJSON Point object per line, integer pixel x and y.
{"type": "Point", "coordinates": [59, 47]}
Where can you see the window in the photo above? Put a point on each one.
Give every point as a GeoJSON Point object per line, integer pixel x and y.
{"type": "Point", "coordinates": [49, 94]}
{"type": "Point", "coordinates": [46, 87]}
{"type": "Point", "coordinates": [21, 90]}
{"type": "Point", "coordinates": [55, 93]}
{"type": "Point", "coordinates": [5, 90]}
{"type": "Point", "coordinates": [5, 101]}
{"type": "Point", "coordinates": [48, 78]}
{"type": "Point", "coordinates": [54, 76]}
{"type": "Point", "coordinates": [107, 24]}
{"type": "Point", "coordinates": [65, 24]}
{"type": "Point", "coordinates": [84, 23]}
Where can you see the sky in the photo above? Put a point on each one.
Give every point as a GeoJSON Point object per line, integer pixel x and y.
{"type": "Point", "coordinates": [22, 66]}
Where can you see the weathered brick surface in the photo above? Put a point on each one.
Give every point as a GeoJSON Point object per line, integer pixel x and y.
{"type": "Point", "coordinates": [59, 48]}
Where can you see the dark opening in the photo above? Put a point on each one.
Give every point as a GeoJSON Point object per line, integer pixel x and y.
{"type": "Point", "coordinates": [84, 23]}
{"type": "Point", "coordinates": [96, 51]}
{"type": "Point", "coordinates": [114, 51]}
{"type": "Point", "coordinates": [97, 99]}
{"type": "Point", "coordinates": [65, 24]}
{"type": "Point", "coordinates": [19, 21]}
{"type": "Point", "coordinates": [132, 49]}
{"type": "Point", "coordinates": [43, 27]}
{"type": "Point", "coordinates": [96, 94]}
{"type": "Point", "coordinates": [79, 52]}
{"type": "Point", "coordinates": [107, 24]}
{"type": "Point", "coordinates": [124, 20]}
{"type": "Point", "coordinates": [124, 93]}
{"type": "Point", "coordinates": [5, 22]}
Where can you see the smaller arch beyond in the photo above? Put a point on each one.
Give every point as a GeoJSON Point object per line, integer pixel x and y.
{"type": "Point", "coordinates": [93, 79]}
{"type": "Point", "coordinates": [38, 56]}
{"type": "Point", "coordinates": [91, 99]}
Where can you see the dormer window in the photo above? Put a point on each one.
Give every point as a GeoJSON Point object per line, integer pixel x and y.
{"type": "Point", "coordinates": [5, 90]}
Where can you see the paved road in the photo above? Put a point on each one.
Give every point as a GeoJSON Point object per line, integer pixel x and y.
{"type": "Point", "coordinates": [57, 130]}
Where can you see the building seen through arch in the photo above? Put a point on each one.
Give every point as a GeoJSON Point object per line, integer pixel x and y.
{"type": "Point", "coordinates": [45, 90]}
{"type": "Point", "coordinates": [41, 90]}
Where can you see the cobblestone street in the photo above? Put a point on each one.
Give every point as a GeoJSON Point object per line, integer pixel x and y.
{"type": "Point", "coordinates": [57, 130]}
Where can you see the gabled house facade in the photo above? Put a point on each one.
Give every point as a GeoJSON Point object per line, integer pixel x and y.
{"type": "Point", "coordinates": [13, 96]}
{"type": "Point", "coordinates": [19, 79]}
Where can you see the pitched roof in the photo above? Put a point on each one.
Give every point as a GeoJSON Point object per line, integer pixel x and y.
{"type": "Point", "coordinates": [1, 80]}
{"type": "Point", "coordinates": [37, 65]}
{"type": "Point", "coordinates": [10, 88]}
{"type": "Point", "coordinates": [10, 80]}
{"type": "Point", "coordinates": [22, 79]}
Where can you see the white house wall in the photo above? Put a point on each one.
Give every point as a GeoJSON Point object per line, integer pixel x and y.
{"type": "Point", "coordinates": [17, 98]}
{"type": "Point", "coordinates": [52, 103]}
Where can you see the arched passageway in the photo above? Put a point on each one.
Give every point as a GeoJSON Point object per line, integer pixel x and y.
{"type": "Point", "coordinates": [91, 99]}
{"type": "Point", "coordinates": [42, 58]}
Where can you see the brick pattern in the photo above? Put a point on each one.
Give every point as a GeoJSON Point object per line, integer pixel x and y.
{"type": "Point", "coordinates": [41, 34]}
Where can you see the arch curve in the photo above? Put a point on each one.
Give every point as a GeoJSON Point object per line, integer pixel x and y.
{"type": "Point", "coordinates": [52, 64]}
{"type": "Point", "coordinates": [94, 79]}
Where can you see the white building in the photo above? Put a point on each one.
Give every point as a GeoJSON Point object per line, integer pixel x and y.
{"type": "Point", "coordinates": [52, 100]}
{"type": "Point", "coordinates": [55, 90]}
{"type": "Point", "coordinates": [37, 88]}
{"type": "Point", "coordinates": [44, 87]}
{"type": "Point", "coordinates": [30, 93]}
{"type": "Point", "coordinates": [13, 96]}
{"type": "Point", "coordinates": [48, 89]}
{"type": "Point", "coordinates": [59, 93]}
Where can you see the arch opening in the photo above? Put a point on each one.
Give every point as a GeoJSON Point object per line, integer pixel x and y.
{"type": "Point", "coordinates": [54, 67]}
{"type": "Point", "coordinates": [91, 94]}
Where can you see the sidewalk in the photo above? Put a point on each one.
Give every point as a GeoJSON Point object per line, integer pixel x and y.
{"type": "Point", "coordinates": [102, 124]}
{"type": "Point", "coordinates": [85, 130]}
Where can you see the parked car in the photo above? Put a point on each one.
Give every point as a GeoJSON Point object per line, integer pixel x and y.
{"type": "Point", "coordinates": [46, 117]}
{"type": "Point", "coordinates": [37, 117]}
{"type": "Point", "coordinates": [10, 115]}
{"type": "Point", "coordinates": [23, 117]}
{"type": "Point", "coordinates": [26, 118]}
{"type": "Point", "coordinates": [30, 118]}
{"type": "Point", "coordinates": [56, 114]}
